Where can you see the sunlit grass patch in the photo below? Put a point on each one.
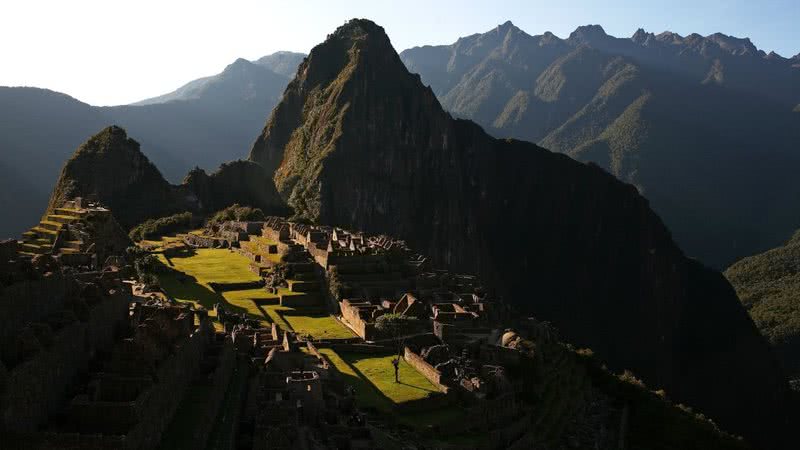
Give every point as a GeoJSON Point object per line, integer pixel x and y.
{"type": "Point", "coordinates": [312, 322]}
{"type": "Point", "coordinates": [213, 265]}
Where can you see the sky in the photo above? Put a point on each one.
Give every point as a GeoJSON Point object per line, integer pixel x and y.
{"type": "Point", "coordinates": [114, 52]}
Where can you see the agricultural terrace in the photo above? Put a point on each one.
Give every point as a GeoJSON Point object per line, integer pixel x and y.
{"type": "Point", "coordinates": [193, 271]}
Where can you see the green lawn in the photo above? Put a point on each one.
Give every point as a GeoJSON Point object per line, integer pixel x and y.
{"type": "Point", "coordinates": [315, 323]}
{"type": "Point", "coordinates": [380, 373]}
{"type": "Point", "coordinates": [372, 377]}
{"type": "Point", "coordinates": [213, 265]}
{"type": "Point", "coordinates": [205, 266]}
{"type": "Point", "coordinates": [189, 279]}
{"type": "Point", "coordinates": [244, 300]}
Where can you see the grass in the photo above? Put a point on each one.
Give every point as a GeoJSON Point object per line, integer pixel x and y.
{"type": "Point", "coordinates": [380, 373]}
{"type": "Point", "coordinates": [213, 265]}
{"type": "Point", "coordinates": [191, 273]}
{"type": "Point", "coordinates": [205, 266]}
{"type": "Point", "coordinates": [317, 324]}
{"type": "Point", "coordinates": [372, 377]}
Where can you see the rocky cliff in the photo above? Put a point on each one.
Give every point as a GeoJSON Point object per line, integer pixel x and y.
{"type": "Point", "coordinates": [360, 142]}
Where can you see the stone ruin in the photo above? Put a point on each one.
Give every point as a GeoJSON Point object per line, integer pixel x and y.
{"type": "Point", "coordinates": [295, 398]}
{"type": "Point", "coordinates": [79, 233]}
{"type": "Point", "coordinates": [83, 364]}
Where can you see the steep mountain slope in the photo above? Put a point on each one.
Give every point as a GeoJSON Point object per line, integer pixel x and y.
{"type": "Point", "coordinates": [358, 141]}
{"type": "Point", "coordinates": [213, 122]}
{"type": "Point", "coordinates": [769, 287]}
{"type": "Point", "coordinates": [111, 168]}
{"type": "Point", "coordinates": [646, 110]}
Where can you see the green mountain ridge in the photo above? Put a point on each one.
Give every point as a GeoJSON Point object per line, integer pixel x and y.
{"type": "Point", "coordinates": [359, 142]}
{"type": "Point", "coordinates": [768, 285]}
{"type": "Point", "coordinates": [675, 116]}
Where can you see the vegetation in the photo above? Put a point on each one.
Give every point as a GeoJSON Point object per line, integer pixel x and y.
{"type": "Point", "coordinates": [147, 267]}
{"type": "Point", "coordinates": [111, 168]}
{"type": "Point", "coordinates": [156, 228]}
{"type": "Point", "coordinates": [372, 377]}
{"type": "Point", "coordinates": [768, 286]}
{"type": "Point", "coordinates": [308, 321]}
{"type": "Point", "coordinates": [237, 213]}
{"type": "Point", "coordinates": [396, 324]}
{"type": "Point", "coordinates": [187, 277]}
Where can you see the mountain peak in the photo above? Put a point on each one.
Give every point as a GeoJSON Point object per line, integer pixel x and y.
{"type": "Point", "coordinates": [506, 27]}
{"type": "Point", "coordinates": [734, 45]}
{"type": "Point", "coordinates": [111, 168]}
{"type": "Point", "coordinates": [109, 140]}
{"type": "Point", "coordinates": [588, 33]}
{"type": "Point", "coordinates": [357, 29]}
{"type": "Point", "coordinates": [240, 64]}
{"type": "Point", "coordinates": [641, 36]}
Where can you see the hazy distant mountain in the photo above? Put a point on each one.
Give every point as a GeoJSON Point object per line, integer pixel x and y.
{"type": "Point", "coordinates": [38, 130]}
{"type": "Point", "coordinates": [242, 79]}
{"type": "Point", "coordinates": [282, 63]}
{"type": "Point", "coordinates": [204, 123]}
{"type": "Point", "coordinates": [214, 120]}
{"type": "Point", "coordinates": [701, 125]}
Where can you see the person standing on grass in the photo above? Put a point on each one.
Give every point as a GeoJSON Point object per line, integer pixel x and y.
{"type": "Point", "coordinates": [396, 364]}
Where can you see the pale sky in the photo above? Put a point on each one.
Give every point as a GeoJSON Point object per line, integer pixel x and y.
{"type": "Point", "coordinates": [119, 51]}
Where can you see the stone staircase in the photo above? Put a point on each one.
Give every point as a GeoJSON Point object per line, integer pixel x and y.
{"type": "Point", "coordinates": [41, 239]}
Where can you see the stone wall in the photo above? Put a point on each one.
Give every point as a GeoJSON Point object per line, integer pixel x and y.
{"type": "Point", "coordinates": [27, 301]}
{"type": "Point", "coordinates": [219, 382]}
{"type": "Point", "coordinates": [195, 240]}
{"type": "Point", "coordinates": [427, 370]}
{"type": "Point", "coordinates": [350, 314]}
{"type": "Point", "coordinates": [36, 386]}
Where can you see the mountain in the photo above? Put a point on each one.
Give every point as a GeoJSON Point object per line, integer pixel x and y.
{"type": "Point", "coordinates": [357, 141]}
{"type": "Point", "coordinates": [700, 125]}
{"type": "Point", "coordinates": [209, 123]}
{"type": "Point", "coordinates": [768, 285]}
{"type": "Point", "coordinates": [204, 123]}
{"type": "Point", "coordinates": [38, 130]}
{"type": "Point", "coordinates": [282, 63]}
{"type": "Point", "coordinates": [242, 79]}
{"type": "Point", "coordinates": [111, 168]}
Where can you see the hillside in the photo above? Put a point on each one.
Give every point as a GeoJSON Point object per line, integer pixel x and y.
{"type": "Point", "coordinates": [700, 125]}
{"type": "Point", "coordinates": [111, 168]}
{"type": "Point", "coordinates": [205, 123]}
{"type": "Point", "coordinates": [358, 141]}
{"type": "Point", "coordinates": [769, 286]}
